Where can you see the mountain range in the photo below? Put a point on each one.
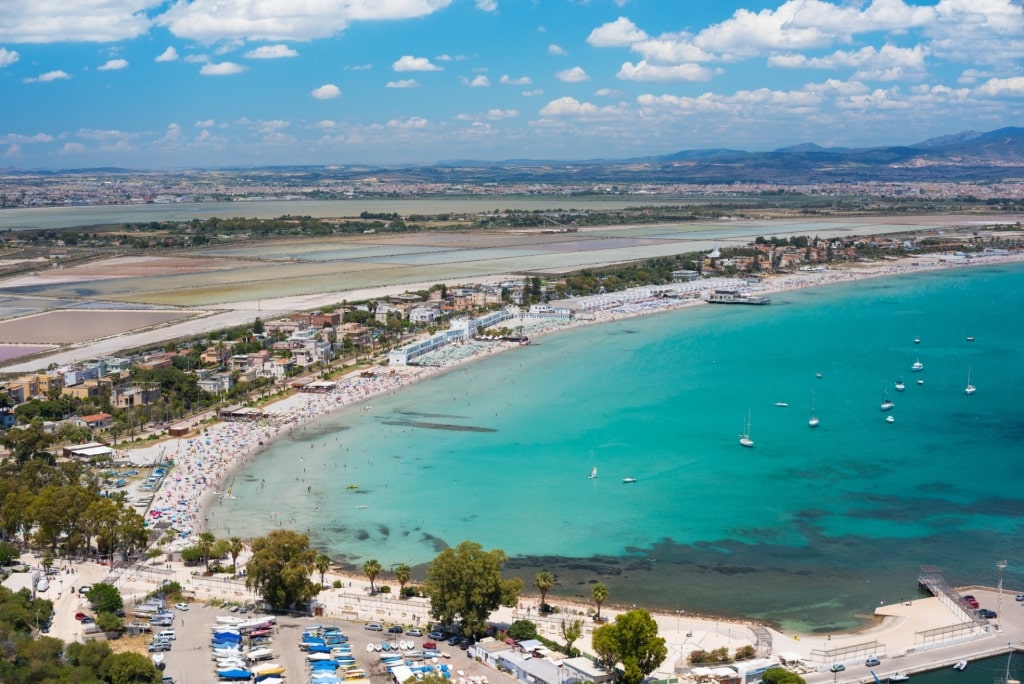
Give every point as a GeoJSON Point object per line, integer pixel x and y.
{"type": "Point", "coordinates": [968, 156]}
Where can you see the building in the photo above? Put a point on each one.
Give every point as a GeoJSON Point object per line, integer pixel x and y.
{"type": "Point", "coordinates": [96, 421]}
{"type": "Point", "coordinates": [135, 395]}
{"type": "Point", "coordinates": [89, 451]}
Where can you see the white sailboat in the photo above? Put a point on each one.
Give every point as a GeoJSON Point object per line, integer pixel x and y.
{"type": "Point", "coordinates": [899, 386]}
{"type": "Point", "coordinates": [813, 422]}
{"type": "Point", "coordinates": [970, 389]}
{"type": "Point", "coordinates": [593, 473]}
{"type": "Point", "coordinates": [745, 435]}
{"type": "Point", "coordinates": [887, 403]}
{"type": "Point", "coordinates": [917, 366]}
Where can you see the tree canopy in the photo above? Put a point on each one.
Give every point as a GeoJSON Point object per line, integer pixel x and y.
{"type": "Point", "coordinates": [633, 641]}
{"type": "Point", "coordinates": [465, 586]}
{"type": "Point", "coordinates": [280, 568]}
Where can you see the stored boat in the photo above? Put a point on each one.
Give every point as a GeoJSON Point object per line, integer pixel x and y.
{"type": "Point", "coordinates": [898, 677]}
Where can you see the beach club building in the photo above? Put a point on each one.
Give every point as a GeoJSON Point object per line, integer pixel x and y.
{"type": "Point", "coordinates": [459, 330]}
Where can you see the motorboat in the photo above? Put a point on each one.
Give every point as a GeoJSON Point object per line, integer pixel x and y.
{"type": "Point", "coordinates": [899, 386]}
{"type": "Point", "coordinates": [920, 381]}
{"type": "Point", "coordinates": [628, 480]}
{"type": "Point", "coordinates": [781, 404]}
{"type": "Point", "coordinates": [917, 340]}
{"type": "Point", "coordinates": [917, 366]}
{"type": "Point", "coordinates": [970, 338]}
{"type": "Point", "coordinates": [898, 677]}
{"type": "Point", "coordinates": [887, 404]}
{"type": "Point", "coordinates": [890, 419]}
{"type": "Point", "coordinates": [960, 665]}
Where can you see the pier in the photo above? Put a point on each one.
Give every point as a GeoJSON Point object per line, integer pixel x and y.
{"type": "Point", "coordinates": [737, 297]}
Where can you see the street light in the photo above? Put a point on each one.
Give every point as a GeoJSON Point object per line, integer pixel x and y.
{"type": "Point", "coordinates": [999, 599]}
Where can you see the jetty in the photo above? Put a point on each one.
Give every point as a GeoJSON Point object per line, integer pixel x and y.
{"type": "Point", "coordinates": [737, 297]}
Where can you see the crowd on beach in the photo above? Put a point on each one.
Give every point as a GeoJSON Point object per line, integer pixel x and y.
{"type": "Point", "coordinates": [204, 462]}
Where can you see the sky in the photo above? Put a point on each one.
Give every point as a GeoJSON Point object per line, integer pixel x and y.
{"type": "Point", "coordinates": [169, 84]}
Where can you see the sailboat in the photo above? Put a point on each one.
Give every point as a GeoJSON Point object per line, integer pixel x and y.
{"type": "Point", "coordinates": [899, 385]}
{"type": "Point", "coordinates": [970, 389]}
{"type": "Point", "coordinates": [745, 435]}
{"type": "Point", "coordinates": [917, 366]}
{"type": "Point", "coordinates": [593, 473]}
{"type": "Point", "coordinates": [887, 403]}
{"type": "Point", "coordinates": [813, 422]}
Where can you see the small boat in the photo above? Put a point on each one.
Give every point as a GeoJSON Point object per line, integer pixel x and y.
{"type": "Point", "coordinates": [917, 366]}
{"type": "Point", "coordinates": [900, 386]}
{"type": "Point", "coordinates": [745, 435]}
{"type": "Point", "coordinates": [352, 486]}
{"type": "Point", "coordinates": [628, 480]}
{"type": "Point", "coordinates": [813, 422]}
{"type": "Point", "coordinates": [970, 389]}
{"type": "Point", "coordinates": [920, 381]}
{"type": "Point", "coordinates": [890, 419]}
{"type": "Point", "coordinates": [917, 340]}
{"type": "Point", "coordinates": [887, 403]}
{"type": "Point", "coordinates": [781, 404]}
{"type": "Point", "coordinates": [970, 338]}
{"type": "Point", "coordinates": [960, 665]}
{"type": "Point", "coordinates": [817, 375]}
{"type": "Point", "coordinates": [898, 677]}
{"type": "Point", "coordinates": [593, 473]}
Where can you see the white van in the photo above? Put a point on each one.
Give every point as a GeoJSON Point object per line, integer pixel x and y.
{"type": "Point", "coordinates": [166, 634]}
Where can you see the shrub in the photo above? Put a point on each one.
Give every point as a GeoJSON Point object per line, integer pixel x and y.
{"type": "Point", "coordinates": [337, 584]}
{"type": "Point", "coordinates": [384, 589]}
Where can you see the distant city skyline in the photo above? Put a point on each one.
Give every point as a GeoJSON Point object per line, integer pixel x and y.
{"type": "Point", "coordinates": [161, 84]}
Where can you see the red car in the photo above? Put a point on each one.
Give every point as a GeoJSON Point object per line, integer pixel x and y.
{"type": "Point", "coordinates": [79, 616]}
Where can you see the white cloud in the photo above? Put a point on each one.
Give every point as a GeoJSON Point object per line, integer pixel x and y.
{"type": "Point", "coordinates": [875, 100]}
{"type": "Point", "coordinates": [197, 59]}
{"type": "Point", "coordinates": [101, 135]}
{"type": "Point", "coordinates": [671, 49]}
{"type": "Point", "coordinates": [608, 92]}
{"type": "Point", "coordinates": [209, 123]}
{"type": "Point", "coordinates": [271, 52]}
{"type": "Point", "coordinates": [872, 63]}
{"type": "Point", "coordinates": [569, 106]}
{"type": "Point", "coordinates": [573, 75]}
{"type": "Point", "coordinates": [173, 131]}
{"type": "Point", "coordinates": [533, 93]}
{"type": "Point", "coordinates": [403, 83]}
{"type": "Point", "coordinates": [480, 81]}
{"type": "Point", "coordinates": [643, 71]}
{"type": "Point", "coordinates": [8, 57]}
{"type": "Point", "coordinates": [498, 114]}
{"type": "Point", "coordinates": [487, 5]}
{"type": "Point", "coordinates": [521, 81]}
{"type": "Point", "coordinates": [221, 69]}
{"type": "Point", "coordinates": [619, 33]}
{"type": "Point", "coordinates": [55, 75]}
{"type": "Point", "coordinates": [359, 67]}
{"type": "Point", "coordinates": [113, 65]}
{"type": "Point", "coordinates": [410, 63]}
{"type": "Point", "coordinates": [18, 138]}
{"type": "Point", "coordinates": [556, 50]}
{"type": "Point", "coordinates": [325, 124]}
{"type": "Point", "coordinates": [13, 151]}
{"type": "Point", "coordinates": [59, 21]}
{"type": "Point", "coordinates": [72, 148]}
{"type": "Point", "coordinates": [1002, 86]}
{"type": "Point", "coordinates": [214, 20]}
{"type": "Point", "coordinates": [327, 91]}
{"type": "Point", "coordinates": [168, 55]}
{"type": "Point", "coordinates": [411, 122]}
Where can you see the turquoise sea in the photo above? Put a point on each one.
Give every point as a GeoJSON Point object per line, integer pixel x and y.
{"type": "Point", "coordinates": [811, 528]}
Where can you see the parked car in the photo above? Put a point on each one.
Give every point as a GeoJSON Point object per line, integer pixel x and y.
{"type": "Point", "coordinates": [87, 620]}
{"type": "Point", "coordinates": [85, 588]}
{"type": "Point", "coordinates": [181, 606]}
{"type": "Point", "coordinates": [1020, 597]}
{"type": "Point", "coordinates": [436, 635]}
{"type": "Point", "coordinates": [79, 616]}
{"type": "Point", "coordinates": [429, 645]}
{"type": "Point", "coordinates": [987, 614]}
{"type": "Point", "coordinates": [872, 662]}
{"type": "Point", "coordinates": [414, 632]}
{"type": "Point", "coordinates": [454, 641]}
{"type": "Point", "coordinates": [374, 627]}
{"type": "Point", "coordinates": [395, 629]}
{"type": "Point", "coordinates": [158, 646]}
{"type": "Point", "coordinates": [837, 667]}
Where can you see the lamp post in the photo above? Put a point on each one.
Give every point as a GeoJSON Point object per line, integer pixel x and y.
{"type": "Point", "coordinates": [999, 599]}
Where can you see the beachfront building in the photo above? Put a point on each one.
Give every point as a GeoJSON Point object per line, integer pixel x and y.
{"type": "Point", "coordinates": [95, 421]}
{"type": "Point", "coordinates": [87, 452]}
{"type": "Point", "coordinates": [459, 330]}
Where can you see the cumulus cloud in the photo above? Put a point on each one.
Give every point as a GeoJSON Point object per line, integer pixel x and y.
{"type": "Point", "coordinates": [173, 131]}
{"type": "Point", "coordinates": [13, 151]}
{"type": "Point", "coordinates": [643, 71]}
{"type": "Point", "coordinates": [18, 138]}
{"type": "Point", "coordinates": [403, 83]}
{"type": "Point", "coordinates": [72, 148]}
{"type": "Point", "coordinates": [325, 124]}
{"type": "Point", "coordinates": [479, 81]}
{"type": "Point", "coordinates": [568, 106]}
{"type": "Point", "coordinates": [214, 20]}
{"type": "Point", "coordinates": [197, 59]}
{"type": "Point", "coordinates": [168, 55]}
{"type": "Point", "coordinates": [58, 21]}
{"type": "Point", "coordinates": [619, 33]}
{"type": "Point", "coordinates": [521, 81]}
{"type": "Point", "coordinates": [221, 69]}
{"type": "Point", "coordinates": [889, 58]}
{"type": "Point", "coordinates": [498, 114]}
{"type": "Point", "coordinates": [8, 57]}
{"type": "Point", "coordinates": [487, 5]}
{"type": "Point", "coordinates": [55, 75]}
{"type": "Point", "coordinates": [410, 63]}
{"type": "Point", "coordinates": [573, 75]}
{"type": "Point", "coordinates": [271, 52]}
{"type": "Point", "coordinates": [556, 50]}
{"type": "Point", "coordinates": [327, 91]}
{"type": "Point", "coordinates": [411, 122]}
{"type": "Point", "coordinates": [208, 123]}
{"type": "Point", "coordinates": [1002, 86]}
{"type": "Point", "coordinates": [113, 65]}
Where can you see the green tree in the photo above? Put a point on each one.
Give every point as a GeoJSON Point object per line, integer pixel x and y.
{"type": "Point", "coordinates": [105, 598]}
{"type": "Point", "coordinates": [8, 552]}
{"type": "Point", "coordinates": [403, 573]}
{"type": "Point", "coordinates": [465, 584]}
{"type": "Point", "coordinates": [280, 567]}
{"type": "Point", "coordinates": [129, 668]}
{"type": "Point", "coordinates": [633, 641]}
{"type": "Point", "coordinates": [778, 675]}
{"type": "Point", "coordinates": [571, 631]}
{"type": "Point", "coordinates": [599, 593]}
{"type": "Point", "coordinates": [521, 630]}
{"type": "Point", "coordinates": [205, 545]}
{"type": "Point", "coordinates": [235, 548]}
{"type": "Point", "coordinates": [429, 678]}
{"type": "Point", "coordinates": [109, 622]}
{"type": "Point", "coordinates": [371, 569]}
{"type": "Point", "coordinates": [544, 581]}
{"type": "Point", "coordinates": [29, 443]}
{"type": "Point", "coordinates": [322, 564]}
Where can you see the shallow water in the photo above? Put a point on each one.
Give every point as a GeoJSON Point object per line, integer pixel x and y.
{"type": "Point", "coordinates": [810, 528]}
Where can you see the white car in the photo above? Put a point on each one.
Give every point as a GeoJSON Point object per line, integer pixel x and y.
{"type": "Point", "coordinates": [181, 606]}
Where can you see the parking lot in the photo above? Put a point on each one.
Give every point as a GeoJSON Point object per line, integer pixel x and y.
{"type": "Point", "coordinates": [189, 659]}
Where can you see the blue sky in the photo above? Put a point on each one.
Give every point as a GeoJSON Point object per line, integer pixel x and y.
{"type": "Point", "coordinates": [207, 83]}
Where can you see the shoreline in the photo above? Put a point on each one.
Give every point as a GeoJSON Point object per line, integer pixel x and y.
{"type": "Point", "coordinates": [208, 461]}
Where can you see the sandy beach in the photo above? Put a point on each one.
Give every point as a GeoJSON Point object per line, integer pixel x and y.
{"type": "Point", "coordinates": [204, 462]}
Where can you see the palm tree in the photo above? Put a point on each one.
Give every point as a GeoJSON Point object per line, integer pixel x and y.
{"type": "Point", "coordinates": [371, 569]}
{"type": "Point", "coordinates": [600, 594]}
{"type": "Point", "coordinates": [544, 581]}
{"type": "Point", "coordinates": [235, 548]}
{"type": "Point", "coordinates": [322, 564]}
{"type": "Point", "coordinates": [205, 546]}
{"type": "Point", "coordinates": [402, 573]}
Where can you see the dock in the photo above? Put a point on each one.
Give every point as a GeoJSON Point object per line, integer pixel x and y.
{"type": "Point", "coordinates": [737, 297]}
